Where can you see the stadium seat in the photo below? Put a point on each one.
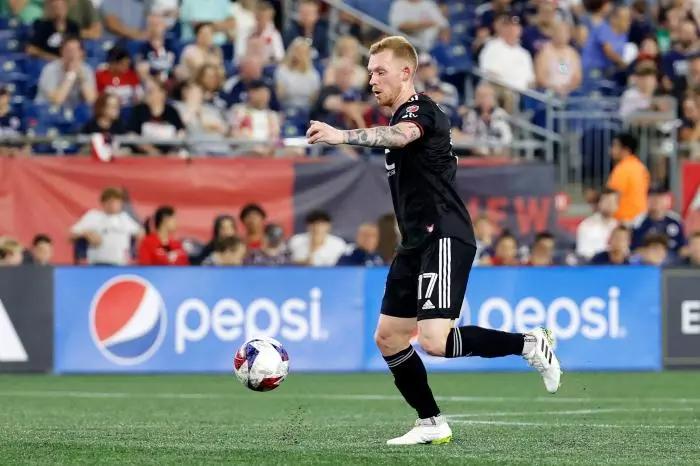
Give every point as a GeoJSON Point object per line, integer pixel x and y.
{"type": "Point", "coordinates": [97, 48]}
{"type": "Point", "coordinates": [10, 41]}
{"type": "Point", "coordinates": [295, 122]}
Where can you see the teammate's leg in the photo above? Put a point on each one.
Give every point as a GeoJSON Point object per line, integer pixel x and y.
{"type": "Point", "coordinates": [393, 336]}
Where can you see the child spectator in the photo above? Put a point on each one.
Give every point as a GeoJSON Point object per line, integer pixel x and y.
{"type": "Point", "coordinates": [160, 247]}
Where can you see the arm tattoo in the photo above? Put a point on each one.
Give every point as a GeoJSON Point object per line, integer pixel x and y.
{"type": "Point", "coordinates": [382, 136]}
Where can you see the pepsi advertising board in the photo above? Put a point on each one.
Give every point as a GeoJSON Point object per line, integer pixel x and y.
{"type": "Point", "coordinates": [193, 319]}
{"type": "Point", "coordinates": [604, 318]}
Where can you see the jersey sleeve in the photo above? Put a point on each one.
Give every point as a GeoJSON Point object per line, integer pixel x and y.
{"type": "Point", "coordinates": [420, 113]}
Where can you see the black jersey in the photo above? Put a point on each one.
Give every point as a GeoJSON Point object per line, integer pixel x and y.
{"type": "Point", "coordinates": [422, 179]}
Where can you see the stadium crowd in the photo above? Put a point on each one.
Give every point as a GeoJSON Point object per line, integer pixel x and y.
{"type": "Point", "coordinates": [253, 70]}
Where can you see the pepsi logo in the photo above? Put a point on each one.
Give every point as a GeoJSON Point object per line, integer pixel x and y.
{"type": "Point", "coordinates": [127, 320]}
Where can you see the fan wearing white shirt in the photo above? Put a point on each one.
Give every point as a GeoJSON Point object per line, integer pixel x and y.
{"type": "Point", "coordinates": [108, 231]}
{"type": "Point", "coordinates": [505, 59]}
{"type": "Point", "coordinates": [317, 246]}
{"type": "Point", "coordinates": [593, 232]}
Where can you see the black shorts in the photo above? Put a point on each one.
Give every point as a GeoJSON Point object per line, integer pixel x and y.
{"type": "Point", "coordinates": [429, 283]}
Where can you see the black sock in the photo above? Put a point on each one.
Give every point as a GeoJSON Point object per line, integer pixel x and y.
{"type": "Point", "coordinates": [484, 342]}
{"type": "Point", "coordinates": [411, 379]}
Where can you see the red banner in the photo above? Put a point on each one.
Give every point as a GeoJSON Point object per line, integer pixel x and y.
{"type": "Point", "coordinates": [48, 195]}
{"type": "Point", "coordinates": [690, 185]}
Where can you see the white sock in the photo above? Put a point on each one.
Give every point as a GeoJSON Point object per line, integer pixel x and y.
{"type": "Point", "coordinates": [529, 344]}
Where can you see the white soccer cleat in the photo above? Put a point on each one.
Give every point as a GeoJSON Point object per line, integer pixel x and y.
{"type": "Point", "coordinates": [542, 358]}
{"type": "Point", "coordinates": [433, 430]}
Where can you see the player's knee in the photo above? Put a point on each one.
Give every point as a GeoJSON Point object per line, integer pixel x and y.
{"type": "Point", "coordinates": [434, 345]}
{"type": "Point", "coordinates": [389, 343]}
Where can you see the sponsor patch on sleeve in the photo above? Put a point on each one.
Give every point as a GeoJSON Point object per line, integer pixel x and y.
{"type": "Point", "coordinates": [412, 109]}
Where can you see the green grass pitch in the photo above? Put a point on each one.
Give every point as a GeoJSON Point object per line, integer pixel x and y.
{"type": "Point", "coordinates": [612, 418]}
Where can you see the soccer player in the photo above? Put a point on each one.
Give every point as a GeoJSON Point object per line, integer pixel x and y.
{"type": "Point", "coordinates": [428, 278]}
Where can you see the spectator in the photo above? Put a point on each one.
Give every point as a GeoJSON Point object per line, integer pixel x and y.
{"type": "Point", "coordinates": [42, 250]}
{"type": "Point", "coordinates": [593, 233]}
{"type": "Point", "coordinates": [106, 118]}
{"type": "Point", "coordinates": [558, 65]}
{"type": "Point", "coordinates": [484, 231]}
{"type": "Point", "coordinates": [642, 25]}
{"type": "Point", "coordinates": [505, 251]}
{"type": "Point", "coordinates": [364, 251]}
{"type": "Point", "coordinates": [603, 54]}
{"type": "Point", "coordinates": [11, 252]}
{"type": "Point", "coordinates": [125, 19]}
{"type": "Point", "coordinates": [542, 253]}
{"type": "Point", "coordinates": [156, 119]}
{"type": "Point", "coordinates": [10, 125]}
{"type": "Point", "coordinates": [203, 121]}
{"type": "Point", "coordinates": [296, 80]}
{"type": "Point", "coordinates": [203, 51]}
{"type": "Point", "coordinates": [244, 12]}
{"type": "Point", "coordinates": [630, 178]}
{"type": "Point", "coordinates": [486, 15]}
{"type": "Point", "coordinates": [84, 14]}
{"type": "Point", "coordinates": [156, 59]}
{"type": "Point", "coordinates": [654, 251]}
{"type": "Point", "coordinates": [693, 259]}
{"type": "Point", "coordinates": [169, 10]}
{"type": "Point", "coordinates": [250, 70]}
{"type": "Point", "coordinates": [68, 81]}
{"type": "Point", "coordinates": [161, 247]}
{"type": "Point", "coordinates": [229, 251]}
{"type": "Point", "coordinates": [108, 231]}
{"type": "Point", "coordinates": [253, 218]}
{"type": "Point", "coordinates": [310, 26]}
{"type": "Point", "coordinates": [274, 250]}
{"type": "Point", "coordinates": [675, 61]}
{"type": "Point", "coordinates": [618, 252]}
{"type": "Point", "coordinates": [118, 78]}
{"type": "Point", "coordinates": [486, 123]}
{"type": "Point", "coordinates": [690, 129]}
{"type": "Point", "coordinates": [428, 78]}
{"type": "Point", "coordinates": [216, 12]}
{"type": "Point", "coordinates": [388, 236]}
{"type": "Point", "coordinates": [690, 81]}
{"type": "Point", "coordinates": [270, 47]}
{"type": "Point", "coordinates": [505, 59]}
{"type": "Point", "coordinates": [640, 97]}
{"type": "Point", "coordinates": [421, 19]}
{"type": "Point", "coordinates": [26, 11]}
{"type": "Point", "coordinates": [255, 120]}
{"type": "Point", "coordinates": [541, 28]}
{"type": "Point", "coordinates": [340, 105]}
{"type": "Point", "coordinates": [346, 47]}
{"type": "Point", "coordinates": [210, 79]}
{"type": "Point", "coordinates": [660, 220]}
{"type": "Point", "coordinates": [224, 227]}
{"type": "Point", "coordinates": [317, 247]}
{"type": "Point", "coordinates": [48, 34]}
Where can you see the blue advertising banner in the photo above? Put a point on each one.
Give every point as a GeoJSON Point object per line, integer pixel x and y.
{"type": "Point", "coordinates": [605, 318]}
{"type": "Point", "coordinates": [193, 320]}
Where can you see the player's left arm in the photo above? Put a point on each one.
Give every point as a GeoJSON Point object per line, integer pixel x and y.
{"type": "Point", "coordinates": [395, 136]}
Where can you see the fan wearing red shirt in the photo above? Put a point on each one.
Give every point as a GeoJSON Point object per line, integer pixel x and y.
{"type": "Point", "coordinates": [118, 78]}
{"type": "Point", "coordinates": [159, 247]}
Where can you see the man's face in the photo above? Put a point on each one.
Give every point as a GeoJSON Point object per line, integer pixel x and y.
{"type": "Point", "coordinates": [658, 205]}
{"type": "Point", "coordinates": [57, 9]}
{"type": "Point", "coordinates": [112, 206]}
{"type": "Point", "coordinates": [485, 97]}
{"type": "Point", "coordinates": [71, 52]}
{"type": "Point", "coordinates": [511, 32]}
{"type": "Point", "coordinates": [688, 34]}
{"type": "Point", "coordinates": [319, 229]}
{"type": "Point", "coordinates": [622, 19]}
{"type": "Point", "coordinates": [387, 75]}
{"type": "Point", "coordinates": [42, 253]}
{"type": "Point", "coordinates": [368, 238]}
{"type": "Point", "coordinates": [608, 204]}
{"type": "Point", "coordinates": [156, 26]}
{"type": "Point", "coordinates": [250, 69]}
{"type": "Point", "coordinates": [254, 222]}
{"type": "Point", "coordinates": [616, 150]}
{"type": "Point", "coordinates": [620, 241]}
{"type": "Point", "coordinates": [654, 254]}
{"type": "Point", "coordinates": [308, 14]}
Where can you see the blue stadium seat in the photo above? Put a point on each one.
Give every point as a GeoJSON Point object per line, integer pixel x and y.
{"type": "Point", "coordinates": [295, 122]}
{"type": "Point", "coordinates": [10, 42]}
{"type": "Point", "coordinates": [97, 48]}
{"type": "Point", "coordinates": [457, 59]}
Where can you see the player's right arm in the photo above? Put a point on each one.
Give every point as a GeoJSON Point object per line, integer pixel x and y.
{"type": "Point", "coordinates": [396, 136]}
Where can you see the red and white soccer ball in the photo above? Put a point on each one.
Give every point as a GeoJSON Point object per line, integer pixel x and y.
{"type": "Point", "coordinates": [261, 364]}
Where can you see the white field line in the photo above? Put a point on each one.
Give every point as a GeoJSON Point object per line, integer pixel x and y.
{"type": "Point", "coordinates": [326, 396]}
{"type": "Point", "coordinates": [571, 412]}
{"type": "Point", "coordinates": [571, 424]}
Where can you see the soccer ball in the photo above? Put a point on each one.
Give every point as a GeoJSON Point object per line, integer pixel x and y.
{"type": "Point", "coordinates": [261, 364]}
